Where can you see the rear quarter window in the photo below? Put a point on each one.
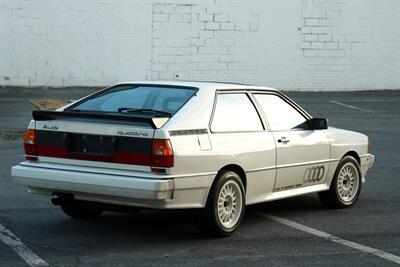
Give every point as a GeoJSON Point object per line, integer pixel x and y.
{"type": "Point", "coordinates": [235, 113]}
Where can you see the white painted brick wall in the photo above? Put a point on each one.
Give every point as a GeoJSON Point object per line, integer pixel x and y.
{"type": "Point", "coordinates": [288, 44]}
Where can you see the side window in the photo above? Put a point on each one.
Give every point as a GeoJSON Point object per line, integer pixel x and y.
{"type": "Point", "coordinates": [235, 113]}
{"type": "Point", "coordinates": [280, 115]}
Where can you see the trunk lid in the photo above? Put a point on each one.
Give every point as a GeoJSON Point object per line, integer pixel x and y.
{"type": "Point", "coordinates": [120, 141]}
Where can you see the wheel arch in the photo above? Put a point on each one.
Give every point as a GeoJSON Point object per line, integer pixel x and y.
{"type": "Point", "coordinates": [353, 154]}
{"type": "Point", "coordinates": [237, 169]}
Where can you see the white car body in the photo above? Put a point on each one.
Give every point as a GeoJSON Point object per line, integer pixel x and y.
{"type": "Point", "coordinates": [270, 170]}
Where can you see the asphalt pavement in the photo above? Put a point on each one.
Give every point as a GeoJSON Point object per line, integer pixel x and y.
{"type": "Point", "coordinates": [157, 238]}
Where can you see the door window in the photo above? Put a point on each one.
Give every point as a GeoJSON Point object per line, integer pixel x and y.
{"type": "Point", "coordinates": [235, 113]}
{"type": "Point", "coordinates": [280, 115]}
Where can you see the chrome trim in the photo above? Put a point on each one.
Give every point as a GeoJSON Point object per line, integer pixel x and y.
{"type": "Point", "coordinates": [306, 163]}
{"type": "Point", "coordinates": [186, 175]}
{"type": "Point", "coordinates": [291, 165]}
{"type": "Point", "coordinates": [190, 175]}
{"type": "Point", "coordinates": [261, 169]}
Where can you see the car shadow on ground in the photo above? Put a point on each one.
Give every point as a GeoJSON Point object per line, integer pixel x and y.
{"type": "Point", "coordinates": [167, 224]}
{"type": "Point", "coordinates": [308, 203]}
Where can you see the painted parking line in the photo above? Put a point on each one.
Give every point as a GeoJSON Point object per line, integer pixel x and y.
{"type": "Point", "coordinates": [377, 252]}
{"type": "Point", "coordinates": [11, 240]}
{"type": "Point", "coordinates": [374, 100]}
{"type": "Point", "coordinates": [350, 106]}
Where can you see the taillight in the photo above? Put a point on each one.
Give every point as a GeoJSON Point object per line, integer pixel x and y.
{"type": "Point", "coordinates": [369, 145]}
{"type": "Point", "coordinates": [30, 144]}
{"type": "Point", "coordinates": [162, 154]}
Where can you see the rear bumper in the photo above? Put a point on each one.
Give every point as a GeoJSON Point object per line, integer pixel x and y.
{"type": "Point", "coordinates": [112, 188]}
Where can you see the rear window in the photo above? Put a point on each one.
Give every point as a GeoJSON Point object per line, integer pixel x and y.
{"type": "Point", "coordinates": [128, 98]}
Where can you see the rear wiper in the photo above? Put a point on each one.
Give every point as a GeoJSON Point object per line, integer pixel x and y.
{"type": "Point", "coordinates": [144, 110]}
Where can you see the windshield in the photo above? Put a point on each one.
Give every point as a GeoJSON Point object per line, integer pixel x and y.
{"type": "Point", "coordinates": [140, 98]}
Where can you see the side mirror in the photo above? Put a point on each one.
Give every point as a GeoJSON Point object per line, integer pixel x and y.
{"type": "Point", "coordinates": [318, 123]}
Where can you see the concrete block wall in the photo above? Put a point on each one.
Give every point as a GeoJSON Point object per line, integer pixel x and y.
{"type": "Point", "coordinates": [293, 45]}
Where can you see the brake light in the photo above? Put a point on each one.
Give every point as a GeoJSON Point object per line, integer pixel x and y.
{"type": "Point", "coordinates": [162, 154]}
{"type": "Point", "coordinates": [30, 144]}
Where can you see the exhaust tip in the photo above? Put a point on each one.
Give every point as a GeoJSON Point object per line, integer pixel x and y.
{"type": "Point", "coordinates": [60, 198]}
{"type": "Point", "coordinates": [56, 201]}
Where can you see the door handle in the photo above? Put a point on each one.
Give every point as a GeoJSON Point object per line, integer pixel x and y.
{"type": "Point", "coordinates": [283, 140]}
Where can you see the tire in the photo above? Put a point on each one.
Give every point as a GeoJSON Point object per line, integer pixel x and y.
{"type": "Point", "coordinates": [345, 187]}
{"type": "Point", "coordinates": [225, 206]}
{"type": "Point", "coordinates": [81, 210]}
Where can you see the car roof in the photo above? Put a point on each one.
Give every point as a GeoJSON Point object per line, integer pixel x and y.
{"type": "Point", "coordinates": [204, 85]}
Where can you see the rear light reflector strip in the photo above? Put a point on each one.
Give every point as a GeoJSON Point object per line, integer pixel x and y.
{"type": "Point", "coordinates": [161, 154]}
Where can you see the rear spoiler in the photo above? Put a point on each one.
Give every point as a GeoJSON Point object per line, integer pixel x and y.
{"type": "Point", "coordinates": [46, 115]}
